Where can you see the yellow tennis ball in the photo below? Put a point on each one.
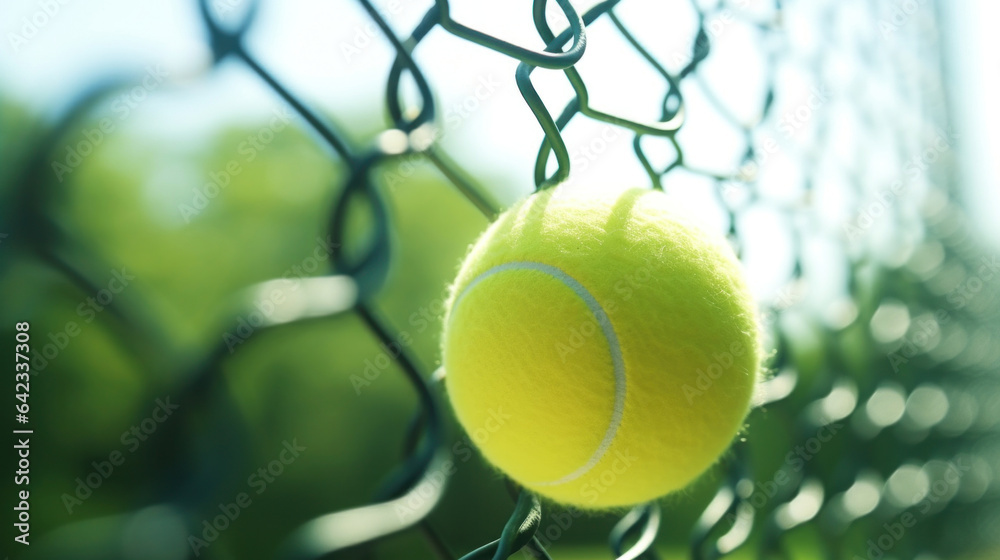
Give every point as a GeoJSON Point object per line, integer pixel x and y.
{"type": "Point", "coordinates": [599, 348]}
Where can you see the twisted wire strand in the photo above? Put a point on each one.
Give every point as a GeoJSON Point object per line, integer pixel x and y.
{"type": "Point", "coordinates": [730, 521]}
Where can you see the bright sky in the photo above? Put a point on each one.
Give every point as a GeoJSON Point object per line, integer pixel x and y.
{"type": "Point", "coordinates": [331, 54]}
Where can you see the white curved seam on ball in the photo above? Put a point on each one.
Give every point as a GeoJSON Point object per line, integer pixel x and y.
{"type": "Point", "coordinates": [609, 333]}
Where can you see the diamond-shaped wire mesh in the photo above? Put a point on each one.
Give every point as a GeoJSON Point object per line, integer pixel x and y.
{"type": "Point", "coordinates": [834, 169]}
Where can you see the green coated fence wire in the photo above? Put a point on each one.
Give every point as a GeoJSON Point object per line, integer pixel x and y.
{"type": "Point", "coordinates": [849, 502]}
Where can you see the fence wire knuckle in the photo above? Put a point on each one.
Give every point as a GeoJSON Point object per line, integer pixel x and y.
{"type": "Point", "coordinates": [808, 392]}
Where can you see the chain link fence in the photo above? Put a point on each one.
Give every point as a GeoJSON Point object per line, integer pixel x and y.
{"type": "Point", "coordinates": [884, 332]}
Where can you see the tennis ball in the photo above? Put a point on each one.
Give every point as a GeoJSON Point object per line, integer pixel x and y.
{"type": "Point", "coordinates": [599, 348]}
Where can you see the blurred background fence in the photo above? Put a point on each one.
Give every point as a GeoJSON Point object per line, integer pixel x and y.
{"type": "Point", "coordinates": [236, 327]}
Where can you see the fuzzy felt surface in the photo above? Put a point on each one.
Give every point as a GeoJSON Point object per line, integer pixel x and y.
{"type": "Point", "coordinates": [599, 348]}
